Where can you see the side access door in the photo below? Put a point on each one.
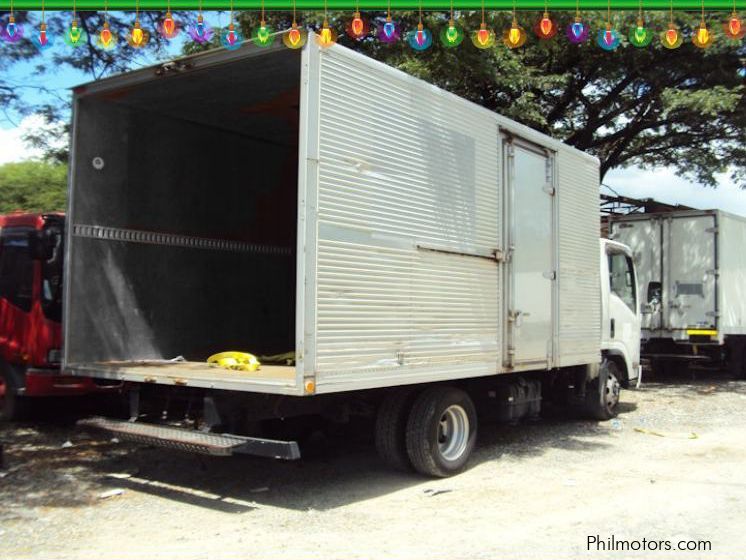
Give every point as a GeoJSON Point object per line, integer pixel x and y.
{"type": "Point", "coordinates": [530, 300]}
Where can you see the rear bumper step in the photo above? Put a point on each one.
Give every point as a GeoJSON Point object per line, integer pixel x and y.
{"type": "Point", "coordinates": [194, 441]}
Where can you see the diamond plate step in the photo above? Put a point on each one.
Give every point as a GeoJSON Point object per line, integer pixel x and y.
{"type": "Point", "coordinates": [194, 441]}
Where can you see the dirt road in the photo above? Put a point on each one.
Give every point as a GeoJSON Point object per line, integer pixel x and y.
{"type": "Point", "coordinates": [672, 467]}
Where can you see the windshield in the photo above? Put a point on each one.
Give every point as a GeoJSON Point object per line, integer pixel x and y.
{"type": "Point", "coordinates": [51, 269]}
{"type": "Point", "coordinates": [17, 267]}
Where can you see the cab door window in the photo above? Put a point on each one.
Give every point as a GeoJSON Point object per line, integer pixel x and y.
{"type": "Point", "coordinates": [622, 279]}
{"type": "Point", "coordinates": [17, 267]}
{"type": "Point", "coordinates": [52, 246]}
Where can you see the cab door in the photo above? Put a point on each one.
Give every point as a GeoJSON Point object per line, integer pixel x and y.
{"type": "Point", "coordinates": [621, 319]}
{"type": "Point", "coordinates": [645, 237]}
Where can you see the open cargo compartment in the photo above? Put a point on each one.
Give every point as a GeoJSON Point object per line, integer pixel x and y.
{"type": "Point", "coordinates": [183, 212]}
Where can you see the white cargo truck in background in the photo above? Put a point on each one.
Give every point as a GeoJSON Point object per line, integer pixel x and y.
{"type": "Point", "coordinates": [691, 269]}
{"type": "Point", "coordinates": [414, 258]}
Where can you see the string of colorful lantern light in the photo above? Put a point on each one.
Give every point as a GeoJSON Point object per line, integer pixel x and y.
{"type": "Point", "coordinates": [295, 37]}
{"type": "Point", "coordinates": [733, 27]}
{"type": "Point", "coordinates": [11, 32]}
{"type": "Point", "coordinates": [483, 38]}
{"type": "Point", "coordinates": [545, 28]}
{"type": "Point", "coordinates": [639, 35]}
{"type": "Point", "coordinates": [358, 28]}
{"type": "Point", "coordinates": [451, 35]}
{"type": "Point", "coordinates": [389, 31]}
{"type": "Point", "coordinates": [106, 39]}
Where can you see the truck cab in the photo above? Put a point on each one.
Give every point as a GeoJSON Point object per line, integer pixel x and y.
{"type": "Point", "coordinates": [31, 265]}
{"type": "Point", "coordinates": [620, 311]}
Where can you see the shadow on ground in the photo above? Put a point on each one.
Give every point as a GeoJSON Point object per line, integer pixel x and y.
{"type": "Point", "coordinates": [52, 463]}
{"type": "Point", "coordinates": [55, 464]}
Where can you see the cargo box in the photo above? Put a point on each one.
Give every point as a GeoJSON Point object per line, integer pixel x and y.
{"type": "Point", "coordinates": [321, 203]}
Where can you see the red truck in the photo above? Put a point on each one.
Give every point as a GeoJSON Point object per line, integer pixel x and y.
{"type": "Point", "coordinates": [31, 266]}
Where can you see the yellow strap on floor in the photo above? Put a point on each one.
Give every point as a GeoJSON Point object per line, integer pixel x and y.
{"type": "Point", "coordinates": [240, 361]}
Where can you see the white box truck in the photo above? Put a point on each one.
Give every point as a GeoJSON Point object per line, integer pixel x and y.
{"type": "Point", "coordinates": [692, 276]}
{"type": "Point", "coordinates": [414, 257]}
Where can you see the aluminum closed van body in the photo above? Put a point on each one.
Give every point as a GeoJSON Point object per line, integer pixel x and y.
{"type": "Point", "coordinates": [319, 204]}
{"type": "Point", "coordinates": [691, 268]}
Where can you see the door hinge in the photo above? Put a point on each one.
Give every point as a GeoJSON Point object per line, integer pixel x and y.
{"type": "Point", "coordinates": [713, 229]}
{"type": "Point", "coordinates": [713, 271]}
{"type": "Point", "coordinates": [550, 275]}
{"type": "Point", "coordinates": [500, 255]}
{"type": "Point", "coordinates": [549, 189]}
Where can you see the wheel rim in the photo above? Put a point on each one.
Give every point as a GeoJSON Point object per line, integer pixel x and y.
{"type": "Point", "coordinates": [453, 432]}
{"type": "Point", "coordinates": [612, 390]}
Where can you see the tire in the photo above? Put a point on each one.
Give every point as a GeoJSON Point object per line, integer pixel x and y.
{"type": "Point", "coordinates": [12, 406]}
{"type": "Point", "coordinates": [391, 428]}
{"type": "Point", "coordinates": [441, 431]}
{"type": "Point", "coordinates": [603, 404]}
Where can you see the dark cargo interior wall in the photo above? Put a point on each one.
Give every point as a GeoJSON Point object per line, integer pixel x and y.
{"type": "Point", "coordinates": [213, 156]}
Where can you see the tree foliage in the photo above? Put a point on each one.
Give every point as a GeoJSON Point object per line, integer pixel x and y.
{"type": "Point", "coordinates": [88, 57]}
{"type": "Point", "coordinates": [33, 186]}
{"type": "Point", "coordinates": [684, 108]}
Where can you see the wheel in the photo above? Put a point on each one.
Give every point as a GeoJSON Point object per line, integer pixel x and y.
{"type": "Point", "coordinates": [12, 407]}
{"type": "Point", "coordinates": [441, 431]}
{"type": "Point", "coordinates": [602, 393]}
{"type": "Point", "coordinates": [391, 428]}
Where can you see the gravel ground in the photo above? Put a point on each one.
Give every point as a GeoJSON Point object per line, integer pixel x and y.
{"type": "Point", "coordinates": [671, 467]}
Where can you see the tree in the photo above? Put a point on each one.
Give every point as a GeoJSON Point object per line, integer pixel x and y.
{"type": "Point", "coordinates": [33, 186]}
{"type": "Point", "coordinates": [88, 57]}
{"type": "Point", "coordinates": [684, 108]}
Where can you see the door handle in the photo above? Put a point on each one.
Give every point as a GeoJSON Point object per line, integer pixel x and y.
{"type": "Point", "coordinates": [517, 317]}
{"type": "Point", "coordinates": [612, 328]}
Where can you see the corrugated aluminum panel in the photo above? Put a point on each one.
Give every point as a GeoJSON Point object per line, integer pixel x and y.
{"type": "Point", "coordinates": [403, 164]}
{"type": "Point", "coordinates": [703, 262]}
{"type": "Point", "coordinates": [578, 269]}
{"type": "Point", "coordinates": [689, 278]}
{"type": "Point", "coordinates": [731, 263]}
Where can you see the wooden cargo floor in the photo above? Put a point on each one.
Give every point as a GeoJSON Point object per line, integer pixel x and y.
{"type": "Point", "coordinates": [196, 374]}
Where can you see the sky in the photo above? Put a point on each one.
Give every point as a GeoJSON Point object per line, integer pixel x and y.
{"type": "Point", "coordinates": [662, 184]}
{"type": "Point", "coordinates": [665, 185]}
